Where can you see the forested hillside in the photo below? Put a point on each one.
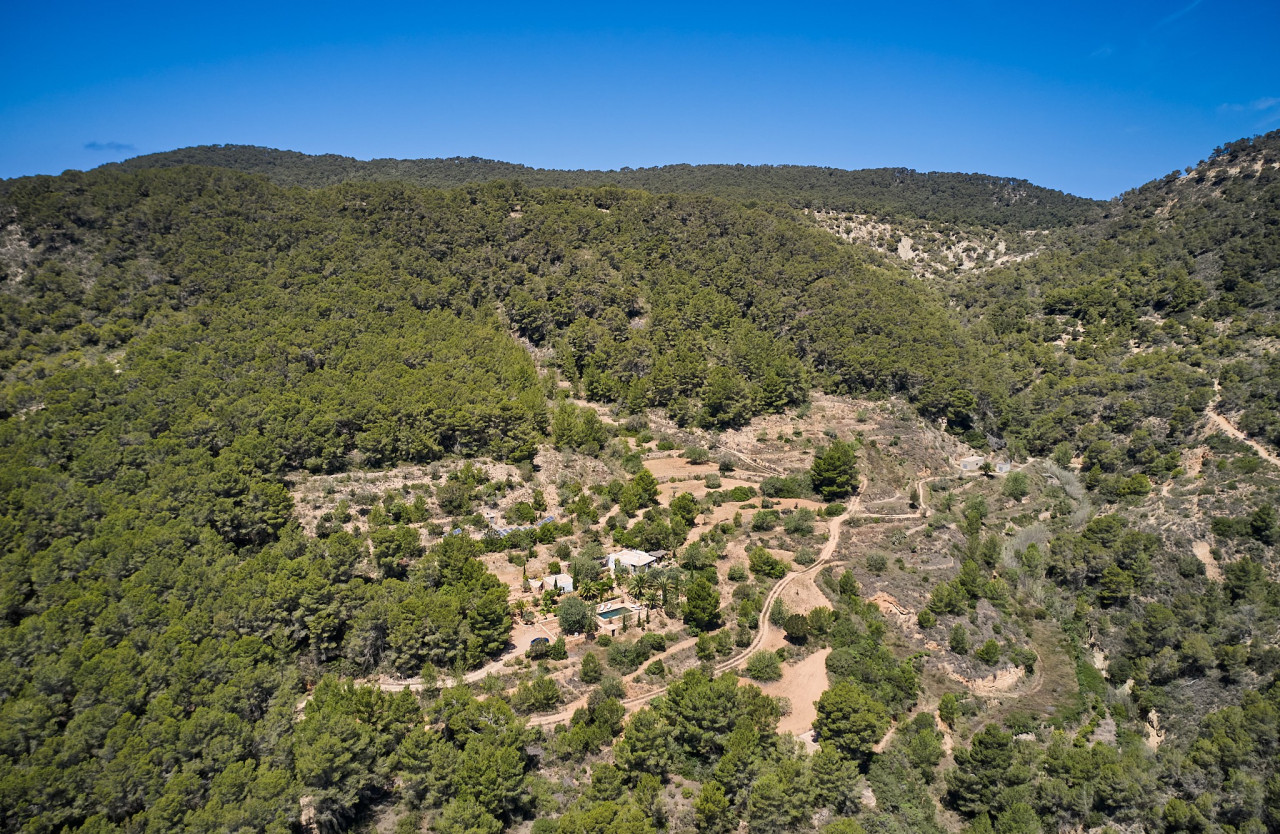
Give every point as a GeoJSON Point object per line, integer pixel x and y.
{"type": "Point", "coordinates": [268, 434]}
{"type": "Point", "coordinates": [957, 198]}
{"type": "Point", "coordinates": [640, 295]}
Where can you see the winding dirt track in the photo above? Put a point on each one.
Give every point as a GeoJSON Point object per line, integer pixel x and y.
{"type": "Point", "coordinates": [762, 633]}
{"type": "Point", "coordinates": [388, 684]}
{"type": "Point", "coordinates": [1216, 419]}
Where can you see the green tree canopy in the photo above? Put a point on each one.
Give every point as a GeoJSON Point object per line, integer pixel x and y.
{"type": "Point", "coordinates": [849, 720]}
{"type": "Point", "coordinates": [574, 615]}
{"type": "Point", "coordinates": [702, 605]}
{"type": "Point", "coordinates": [834, 472]}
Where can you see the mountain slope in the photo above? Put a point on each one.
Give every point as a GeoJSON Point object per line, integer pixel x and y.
{"type": "Point", "coordinates": [963, 198]}
{"type": "Point", "coordinates": [638, 294]}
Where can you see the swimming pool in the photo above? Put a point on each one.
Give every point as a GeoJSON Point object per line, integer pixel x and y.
{"type": "Point", "coordinates": [614, 612]}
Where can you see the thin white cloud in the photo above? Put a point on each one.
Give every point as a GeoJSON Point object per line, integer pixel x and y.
{"type": "Point", "coordinates": [1185, 10]}
{"type": "Point", "coordinates": [1258, 105]}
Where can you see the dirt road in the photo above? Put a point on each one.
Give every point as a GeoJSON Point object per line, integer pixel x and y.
{"type": "Point", "coordinates": [762, 633]}
{"type": "Point", "coordinates": [1220, 422]}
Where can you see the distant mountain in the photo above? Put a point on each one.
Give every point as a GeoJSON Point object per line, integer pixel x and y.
{"type": "Point", "coordinates": [949, 197]}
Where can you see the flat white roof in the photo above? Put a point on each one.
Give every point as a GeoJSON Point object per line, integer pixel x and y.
{"type": "Point", "coordinates": [633, 558]}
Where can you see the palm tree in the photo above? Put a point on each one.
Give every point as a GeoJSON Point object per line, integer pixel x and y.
{"type": "Point", "coordinates": [659, 580]}
{"type": "Point", "coordinates": [641, 582]}
{"type": "Point", "coordinates": [672, 584]}
{"type": "Point", "coordinates": [637, 584]}
{"type": "Point", "coordinates": [675, 584]}
{"type": "Point", "coordinates": [654, 581]}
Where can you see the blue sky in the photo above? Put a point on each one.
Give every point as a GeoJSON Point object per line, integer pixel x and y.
{"type": "Point", "coordinates": [1091, 98]}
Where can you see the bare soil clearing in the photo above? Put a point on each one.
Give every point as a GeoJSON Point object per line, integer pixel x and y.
{"type": "Point", "coordinates": [803, 595]}
{"type": "Point", "coordinates": [1002, 680]}
{"type": "Point", "coordinates": [697, 487]}
{"type": "Point", "coordinates": [314, 495]}
{"type": "Point", "coordinates": [511, 575]}
{"type": "Point", "coordinates": [802, 684]}
{"type": "Point", "coordinates": [1155, 736]}
{"type": "Point", "coordinates": [1211, 567]}
{"type": "Point", "coordinates": [669, 467]}
{"type": "Point", "coordinates": [766, 629]}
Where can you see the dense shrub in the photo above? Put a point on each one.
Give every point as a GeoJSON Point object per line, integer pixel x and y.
{"type": "Point", "coordinates": [764, 666]}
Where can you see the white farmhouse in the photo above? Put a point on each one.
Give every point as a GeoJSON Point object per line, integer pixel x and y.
{"type": "Point", "coordinates": [629, 561]}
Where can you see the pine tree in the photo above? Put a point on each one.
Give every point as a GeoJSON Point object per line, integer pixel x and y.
{"type": "Point", "coordinates": [834, 473]}
{"type": "Point", "coordinates": [702, 605]}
